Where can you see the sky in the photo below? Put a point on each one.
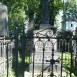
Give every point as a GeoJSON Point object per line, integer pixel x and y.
{"type": "Point", "coordinates": [65, 0]}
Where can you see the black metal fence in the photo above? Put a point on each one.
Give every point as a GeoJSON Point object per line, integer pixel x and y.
{"type": "Point", "coordinates": [48, 54]}
{"type": "Point", "coordinates": [56, 52]}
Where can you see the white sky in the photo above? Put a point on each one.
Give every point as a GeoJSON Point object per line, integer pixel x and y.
{"type": "Point", "coordinates": [65, 0]}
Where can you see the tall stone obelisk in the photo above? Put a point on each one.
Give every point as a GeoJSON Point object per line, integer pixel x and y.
{"type": "Point", "coordinates": [45, 20]}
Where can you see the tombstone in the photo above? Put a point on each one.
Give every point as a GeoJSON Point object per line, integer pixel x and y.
{"type": "Point", "coordinates": [3, 20]}
{"type": "Point", "coordinates": [38, 53]}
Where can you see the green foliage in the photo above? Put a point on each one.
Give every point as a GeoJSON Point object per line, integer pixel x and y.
{"type": "Point", "coordinates": [66, 59]}
{"type": "Point", "coordinates": [18, 8]}
{"type": "Point", "coordinates": [28, 59]}
{"type": "Point", "coordinates": [53, 9]}
{"type": "Point", "coordinates": [70, 9]}
{"type": "Point", "coordinates": [32, 5]}
{"type": "Point", "coordinates": [16, 13]}
{"type": "Point", "coordinates": [67, 65]}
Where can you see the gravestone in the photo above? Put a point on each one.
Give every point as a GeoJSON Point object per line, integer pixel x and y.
{"type": "Point", "coordinates": [3, 20]}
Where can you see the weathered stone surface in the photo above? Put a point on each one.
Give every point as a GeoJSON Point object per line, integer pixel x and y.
{"type": "Point", "coordinates": [3, 20]}
{"type": "Point", "coordinates": [43, 45]}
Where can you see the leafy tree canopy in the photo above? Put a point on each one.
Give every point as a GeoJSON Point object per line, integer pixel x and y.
{"type": "Point", "coordinates": [19, 9]}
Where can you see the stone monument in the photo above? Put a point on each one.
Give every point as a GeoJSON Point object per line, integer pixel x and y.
{"type": "Point", "coordinates": [43, 46]}
{"type": "Point", "coordinates": [3, 20]}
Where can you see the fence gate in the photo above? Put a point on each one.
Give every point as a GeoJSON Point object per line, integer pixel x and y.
{"type": "Point", "coordinates": [46, 54]}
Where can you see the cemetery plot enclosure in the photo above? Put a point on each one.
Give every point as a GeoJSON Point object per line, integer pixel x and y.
{"type": "Point", "coordinates": [42, 54]}
{"type": "Point", "coordinates": [51, 56]}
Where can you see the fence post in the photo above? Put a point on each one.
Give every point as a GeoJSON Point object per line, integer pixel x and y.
{"type": "Point", "coordinates": [4, 53]}
{"type": "Point", "coordinates": [43, 62]}
{"type": "Point", "coordinates": [76, 49]}
{"type": "Point", "coordinates": [71, 51]}
{"type": "Point", "coordinates": [7, 58]}
{"type": "Point", "coordinates": [61, 57]}
{"type": "Point", "coordinates": [52, 61]}
{"type": "Point", "coordinates": [23, 53]}
{"type": "Point", "coordinates": [16, 51]}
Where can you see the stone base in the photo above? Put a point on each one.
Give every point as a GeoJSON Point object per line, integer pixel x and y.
{"type": "Point", "coordinates": [47, 45]}
{"type": "Point", "coordinates": [47, 67]}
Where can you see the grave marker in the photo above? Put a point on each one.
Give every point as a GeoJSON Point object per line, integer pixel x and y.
{"type": "Point", "coordinates": [3, 20]}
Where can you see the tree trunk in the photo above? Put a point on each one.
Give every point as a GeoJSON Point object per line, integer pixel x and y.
{"type": "Point", "coordinates": [31, 24]}
{"type": "Point", "coordinates": [29, 49]}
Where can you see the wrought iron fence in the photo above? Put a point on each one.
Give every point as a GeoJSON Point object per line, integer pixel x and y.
{"type": "Point", "coordinates": [44, 49]}
{"type": "Point", "coordinates": [47, 53]}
